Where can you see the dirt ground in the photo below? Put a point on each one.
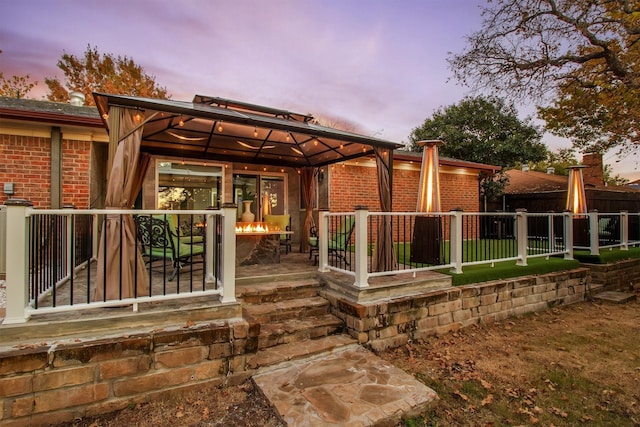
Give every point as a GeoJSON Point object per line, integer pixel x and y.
{"type": "Point", "coordinates": [567, 366]}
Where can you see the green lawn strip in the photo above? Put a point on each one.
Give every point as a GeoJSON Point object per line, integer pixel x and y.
{"type": "Point", "coordinates": [607, 255]}
{"type": "Point", "coordinates": [509, 269]}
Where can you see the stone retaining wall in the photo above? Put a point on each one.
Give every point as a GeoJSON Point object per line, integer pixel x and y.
{"type": "Point", "coordinates": [619, 276]}
{"type": "Point", "coordinates": [55, 383]}
{"type": "Point", "coordinates": [392, 323]}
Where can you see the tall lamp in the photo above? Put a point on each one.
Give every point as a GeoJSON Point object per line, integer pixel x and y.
{"type": "Point", "coordinates": [427, 233]}
{"type": "Point", "coordinates": [577, 205]}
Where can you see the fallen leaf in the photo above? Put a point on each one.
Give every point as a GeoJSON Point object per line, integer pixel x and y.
{"type": "Point", "coordinates": [533, 420]}
{"type": "Point", "coordinates": [558, 412]}
{"type": "Point", "coordinates": [179, 414]}
{"type": "Point", "coordinates": [487, 400]}
{"type": "Point", "coordinates": [205, 413]}
{"type": "Point", "coordinates": [486, 384]}
{"type": "Point", "coordinates": [462, 395]}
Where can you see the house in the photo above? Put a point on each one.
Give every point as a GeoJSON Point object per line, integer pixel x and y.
{"type": "Point", "coordinates": [52, 153]}
{"type": "Point", "coordinates": [543, 192]}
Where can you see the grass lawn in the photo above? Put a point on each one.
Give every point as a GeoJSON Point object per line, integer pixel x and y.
{"type": "Point", "coordinates": [607, 255]}
{"type": "Point", "coordinates": [509, 269]}
{"type": "Point", "coordinates": [491, 248]}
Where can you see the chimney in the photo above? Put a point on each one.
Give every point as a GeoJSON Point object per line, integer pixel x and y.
{"type": "Point", "coordinates": [551, 170]}
{"type": "Point", "coordinates": [593, 174]}
{"type": "Point", "coordinates": [76, 99]}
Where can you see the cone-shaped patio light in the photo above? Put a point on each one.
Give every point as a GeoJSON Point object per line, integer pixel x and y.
{"type": "Point", "coordinates": [576, 199]}
{"type": "Point", "coordinates": [427, 232]}
{"type": "Point", "coordinates": [429, 187]}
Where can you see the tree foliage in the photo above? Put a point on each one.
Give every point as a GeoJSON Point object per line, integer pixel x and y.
{"type": "Point", "coordinates": [560, 160]}
{"type": "Point", "coordinates": [15, 86]}
{"type": "Point", "coordinates": [95, 72]}
{"type": "Point", "coordinates": [483, 130]}
{"type": "Point", "coordinates": [577, 59]}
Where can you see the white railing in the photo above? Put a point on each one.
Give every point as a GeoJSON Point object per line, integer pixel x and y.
{"type": "Point", "coordinates": [45, 262]}
{"type": "Point", "coordinates": [429, 241]}
{"type": "Point", "coordinates": [613, 230]}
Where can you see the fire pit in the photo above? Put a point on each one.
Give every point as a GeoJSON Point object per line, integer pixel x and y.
{"type": "Point", "coordinates": [257, 243]}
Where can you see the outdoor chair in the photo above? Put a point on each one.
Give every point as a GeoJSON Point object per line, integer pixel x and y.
{"type": "Point", "coordinates": [159, 240]}
{"type": "Point", "coordinates": [338, 240]}
{"type": "Point", "coordinates": [282, 223]}
{"type": "Point", "coordinates": [608, 230]}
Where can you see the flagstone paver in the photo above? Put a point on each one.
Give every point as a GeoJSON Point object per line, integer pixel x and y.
{"type": "Point", "coordinates": [353, 387]}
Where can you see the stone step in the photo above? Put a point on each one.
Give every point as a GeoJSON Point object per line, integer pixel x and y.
{"type": "Point", "coordinates": [296, 330]}
{"type": "Point", "coordinates": [615, 297]}
{"type": "Point", "coordinates": [349, 386]}
{"type": "Point", "coordinates": [258, 293]}
{"type": "Point", "coordinates": [287, 309]}
{"type": "Point", "coordinates": [280, 355]}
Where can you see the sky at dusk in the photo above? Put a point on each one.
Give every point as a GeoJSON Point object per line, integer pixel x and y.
{"type": "Point", "coordinates": [378, 64]}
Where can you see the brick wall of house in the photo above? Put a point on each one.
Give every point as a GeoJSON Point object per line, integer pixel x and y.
{"type": "Point", "coordinates": [27, 163]}
{"type": "Point", "coordinates": [75, 173]}
{"type": "Point", "coordinates": [353, 185]}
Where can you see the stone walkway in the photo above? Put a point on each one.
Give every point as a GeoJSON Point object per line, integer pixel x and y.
{"type": "Point", "coordinates": [352, 387]}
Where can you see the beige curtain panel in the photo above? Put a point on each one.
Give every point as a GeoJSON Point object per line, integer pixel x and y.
{"type": "Point", "coordinates": [385, 258]}
{"type": "Point", "coordinates": [121, 270]}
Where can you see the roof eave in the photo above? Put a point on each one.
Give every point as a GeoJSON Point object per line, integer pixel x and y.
{"type": "Point", "coordinates": [47, 117]}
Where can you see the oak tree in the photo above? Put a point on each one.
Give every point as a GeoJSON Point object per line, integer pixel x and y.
{"type": "Point", "coordinates": [576, 59]}
{"type": "Point", "coordinates": [483, 130]}
{"type": "Point", "coordinates": [96, 72]}
{"type": "Point", "coordinates": [15, 86]}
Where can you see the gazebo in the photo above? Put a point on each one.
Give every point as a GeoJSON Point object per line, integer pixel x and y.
{"type": "Point", "coordinates": [210, 128]}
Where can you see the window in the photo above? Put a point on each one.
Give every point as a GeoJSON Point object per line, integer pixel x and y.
{"type": "Point", "coordinates": [184, 186]}
{"type": "Point", "coordinates": [267, 193]}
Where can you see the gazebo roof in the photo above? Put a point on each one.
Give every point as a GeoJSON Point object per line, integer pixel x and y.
{"type": "Point", "coordinates": [212, 128]}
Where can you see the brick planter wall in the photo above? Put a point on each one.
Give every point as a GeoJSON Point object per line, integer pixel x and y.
{"type": "Point", "coordinates": [51, 384]}
{"type": "Point", "coordinates": [381, 325]}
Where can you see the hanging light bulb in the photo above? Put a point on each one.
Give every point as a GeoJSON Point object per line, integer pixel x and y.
{"type": "Point", "coordinates": [255, 132]}
{"type": "Point", "coordinates": [341, 146]}
{"type": "Point", "coordinates": [138, 117]}
{"type": "Point", "coordinates": [181, 122]}
{"type": "Point", "coordinates": [288, 137]}
{"type": "Point", "coordinates": [220, 128]}
{"type": "Point", "coordinates": [105, 116]}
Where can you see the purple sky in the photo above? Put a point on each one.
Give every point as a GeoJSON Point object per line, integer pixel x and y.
{"type": "Point", "coordinates": [378, 64]}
